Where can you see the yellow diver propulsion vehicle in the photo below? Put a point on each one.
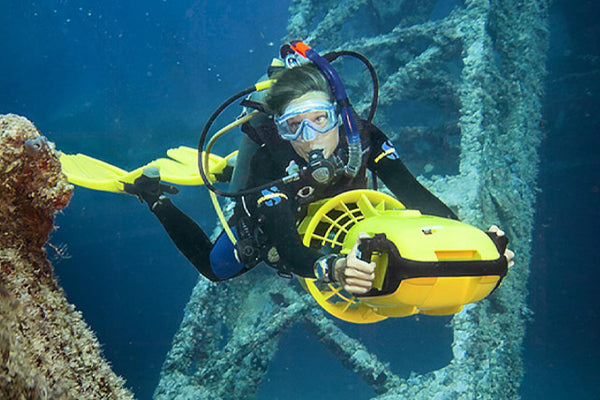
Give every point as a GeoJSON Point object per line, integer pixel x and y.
{"type": "Point", "coordinates": [424, 264]}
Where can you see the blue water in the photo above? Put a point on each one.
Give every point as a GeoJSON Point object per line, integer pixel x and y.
{"type": "Point", "coordinates": [125, 80]}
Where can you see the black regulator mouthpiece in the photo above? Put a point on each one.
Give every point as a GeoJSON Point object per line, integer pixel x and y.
{"type": "Point", "coordinates": [322, 170]}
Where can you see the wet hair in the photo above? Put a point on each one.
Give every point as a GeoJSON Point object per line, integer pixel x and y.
{"type": "Point", "coordinates": [293, 83]}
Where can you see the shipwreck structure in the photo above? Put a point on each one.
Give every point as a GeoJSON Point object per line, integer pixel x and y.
{"type": "Point", "coordinates": [482, 61]}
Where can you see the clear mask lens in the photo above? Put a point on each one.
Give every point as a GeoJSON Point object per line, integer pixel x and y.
{"type": "Point", "coordinates": [320, 118]}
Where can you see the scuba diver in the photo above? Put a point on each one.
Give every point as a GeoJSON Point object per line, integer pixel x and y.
{"type": "Point", "coordinates": [304, 131]}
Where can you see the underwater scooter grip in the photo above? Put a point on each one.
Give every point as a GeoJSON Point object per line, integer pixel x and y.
{"type": "Point", "coordinates": [501, 242]}
{"type": "Point", "coordinates": [378, 243]}
{"type": "Point", "coordinates": [364, 251]}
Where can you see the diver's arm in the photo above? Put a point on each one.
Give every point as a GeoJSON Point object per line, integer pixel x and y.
{"type": "Point", "coordinates": [386, 163]}
{"type": "Point", "coordinates": [189, 238]}
{"type": "Point", "coordinates": [279, 224]}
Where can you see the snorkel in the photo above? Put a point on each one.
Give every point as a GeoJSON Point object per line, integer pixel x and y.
{"type": "Point", "coordinates": [339, 92]}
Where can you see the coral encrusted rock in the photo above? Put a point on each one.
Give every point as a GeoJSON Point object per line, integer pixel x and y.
{"type": "Point", "coordinates": [47, 351]}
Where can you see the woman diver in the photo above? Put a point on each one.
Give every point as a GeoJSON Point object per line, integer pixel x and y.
{"type": "Point", "coordinates": [300, 131]}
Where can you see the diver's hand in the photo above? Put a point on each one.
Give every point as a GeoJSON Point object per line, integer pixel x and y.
{"type": "Point", "coordinates": [508, 253]}
{"type": "Point", "coordinates": [354, 274]}
{"type": "Point", "coordinates": [147, 187]}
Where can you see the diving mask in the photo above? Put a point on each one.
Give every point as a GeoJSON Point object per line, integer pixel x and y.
{"type": "Point", "coordinates": [320, 118]}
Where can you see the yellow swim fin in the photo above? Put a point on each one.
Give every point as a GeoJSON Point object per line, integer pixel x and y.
{"type": "Point", "coordinates": [184, 170]}
{"type": "Point", "coordinates": [91, 173]}
{"type": "Point", "coordinates": [181, 168]}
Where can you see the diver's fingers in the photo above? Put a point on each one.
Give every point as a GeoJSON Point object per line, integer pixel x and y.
{"type": "Point", "coordinates": [510, 255]}
{"type": "Point", "coordinates": [356, 289]}
{"type": "Point", "coordinates": [359, 281]}
{"type": "Point", "coordinates": [361, 265]}
{"type": "Point", "coordinates": [366, 271]}
{"type": "Point", "coordinates": [357, 286]}
{"type": "Point", "coordinates": [495, 229]}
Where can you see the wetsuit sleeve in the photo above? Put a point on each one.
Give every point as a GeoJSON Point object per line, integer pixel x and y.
{"type": "Point", "coordinates": [189, 238]}
{"type": "Point", "coordinates": [276, 211]}
{"type": "Point", "coordinates": [280, 225]}
{"type": "Point", "coordinates": [385, 161]}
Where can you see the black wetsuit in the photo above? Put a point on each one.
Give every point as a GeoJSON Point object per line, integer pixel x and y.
{"type": "Point", "coordinates": [275, 210]}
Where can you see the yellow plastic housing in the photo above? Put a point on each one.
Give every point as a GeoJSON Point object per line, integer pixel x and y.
{"type": "Point", "coordinates": [336, 223]}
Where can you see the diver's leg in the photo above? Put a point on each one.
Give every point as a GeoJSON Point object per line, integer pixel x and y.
{"type": "Point", "coordinates": [189, 238]}
{"type": "Point", "coordinates": [223, 261]}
